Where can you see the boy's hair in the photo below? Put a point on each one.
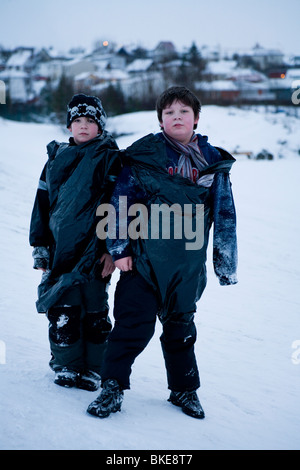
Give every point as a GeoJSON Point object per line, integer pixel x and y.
{"type": "Point", "coordinates": [177, 93]}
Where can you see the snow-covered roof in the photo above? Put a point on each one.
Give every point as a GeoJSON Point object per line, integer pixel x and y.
{"type": "Point", "coordinates": [217, 85]}
{"type": "Point", "coordinates": [77, 60]}
{"type": "Point", "coordinates": [293, 73]}
{"type": "Point", "coordinates": [114, 74]}
{"type": "Point", "coordinates": [248, 75]}
{"type": "Point", "coordinates": [246, 85]}
{"type": "Point", "coordinates": [220, 67]}
{"type": "Point", "coordinates": [84, 75]}
{"type": "Point", "coordinates": [139, 65]}
{"type": "Point", "coordinates": [18, 58]}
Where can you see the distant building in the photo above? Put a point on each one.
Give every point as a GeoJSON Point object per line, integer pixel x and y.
{"type": "Point", "coordinates": [221, 91]}
{"type": "Point", "coordinates": [258, 75]}
{"type": "Point", "coordinates": [139, 65]}
{"type": "Point", "coordinates": [263, 59]}
{"type": "Point", "coordinates": [97, 81]}
{"type": "Point", "coordinates": [218, 70]}
{"type": "Point", "coordinates": [74, 67]}
{"type": "Point", "coordinates": [17, 75]}
{"type": "Point", "coordinates": [164, 50]}
{"type": "Point", "coordinates": [284, 87]}
{"type": "Point", "coordinates": [20, 59]}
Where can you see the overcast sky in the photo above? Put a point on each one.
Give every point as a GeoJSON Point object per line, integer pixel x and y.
{"type": "Point", "coordinates": [229, 24]}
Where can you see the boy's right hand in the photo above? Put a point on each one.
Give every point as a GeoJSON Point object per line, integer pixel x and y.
{"type": "Point", "coordinates": [124, 264]}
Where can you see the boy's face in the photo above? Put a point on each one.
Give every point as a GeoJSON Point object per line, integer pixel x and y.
{"type": "Point", "coordinates": [84, 129]}
{"type": "Point", "coordinates": [178, 121]}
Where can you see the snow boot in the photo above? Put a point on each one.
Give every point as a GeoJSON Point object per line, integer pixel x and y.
{"type": "Point", "coordinates": [189, 403]}
{"type": "Point", "coordinates": [66, 377]}
{"type": "Point", "coordinates": [89, 380]}
{"type": "Point", "coordinates": [109, 400]}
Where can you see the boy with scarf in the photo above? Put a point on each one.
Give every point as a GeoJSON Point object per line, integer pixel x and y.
{"type": "Point", "coordinates": [162, 277]}
{"type": "Point", "coordinates": [76, 266]}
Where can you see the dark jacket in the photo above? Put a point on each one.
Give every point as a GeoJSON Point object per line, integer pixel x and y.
{"type": "Point", "coordinates": [178, 274]}
{"type": "Point", "coordinates": [74, 181]}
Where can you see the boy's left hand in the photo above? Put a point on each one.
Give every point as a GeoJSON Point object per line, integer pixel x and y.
{"type": "Point", "coordinates": [108, 265]}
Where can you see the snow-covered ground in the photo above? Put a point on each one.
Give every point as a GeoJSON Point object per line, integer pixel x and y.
{"type": "Point", "coordinates": [248, 345]}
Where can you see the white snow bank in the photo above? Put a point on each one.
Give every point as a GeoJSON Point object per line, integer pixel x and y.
{"type": "Point", "coordinates": [250, 370]}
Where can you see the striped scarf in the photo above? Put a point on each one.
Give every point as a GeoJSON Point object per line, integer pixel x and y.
{"type": "Point", "coordinates": [190, 154]}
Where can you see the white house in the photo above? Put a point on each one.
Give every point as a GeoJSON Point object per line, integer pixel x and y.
{"type": "Point", "coordinates": [266, 58]}
{"type": "Point", "coordinates": [71, 68]}
{"type": "Point", "coordinates": [18, 84]}
{"type": "Point", "coordinates": [20, 59]}
{"type": "Point", "coordinates": [219, 70]}
{"type": "Point", "coordinates": [139, 66]}
{"type": "Point", "coordinates": [17, 75]}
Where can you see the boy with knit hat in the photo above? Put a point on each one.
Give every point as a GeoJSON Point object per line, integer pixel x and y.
{"type": "Point", "coordinates": [77, 177]}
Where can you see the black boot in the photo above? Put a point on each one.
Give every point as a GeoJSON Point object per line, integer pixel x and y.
{"type": "Point", "coordinates": [109, 400]}
{"type": "Point", "coordinates": [66, 377]}
{"type": "Point", "coordinates": [89, 380]}
{"type": "Point", "coordinates": [189, 402]}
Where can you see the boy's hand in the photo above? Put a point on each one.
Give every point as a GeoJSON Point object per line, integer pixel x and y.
{"type": "Point", "coordinates": [124, 264]}
{"type": "Point", "coordinates": [108, 265]}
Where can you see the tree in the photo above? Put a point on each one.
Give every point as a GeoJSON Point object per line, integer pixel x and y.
{"type": "Point", "coordinates": [194, 56]}
{"type": "Point", "coordinates": [61, 95]}
{"type": "Point", "coordinates": [113, 100]}
{"type": "Point", "coordinates": [191, 67]}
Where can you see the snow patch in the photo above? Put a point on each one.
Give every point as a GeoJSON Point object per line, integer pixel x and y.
{"type": "Point", "coordinates": [248, 334]}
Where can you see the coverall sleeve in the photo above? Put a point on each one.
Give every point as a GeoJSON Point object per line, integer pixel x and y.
{"type": "Point", "coordinates": [39, 234]}
{"type": "Point", "coordinates": [225, 256]}
{"type": "Point", "coordinates": [126, 193]}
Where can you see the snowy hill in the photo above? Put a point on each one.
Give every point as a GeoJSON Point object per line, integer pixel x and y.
{"type": "Point", "coordinates": [248, 345]}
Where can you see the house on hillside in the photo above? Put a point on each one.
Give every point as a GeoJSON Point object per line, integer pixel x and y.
{"type": "Point", "coordinates": [143, 88]}
{"type": "Point", "coordinates": [296, 61]}
{"type": "Point", "coordinates": [121, 58]}
{"type": "Point", "coordinates": [266, 58]}
{"type": "Point", "coordinates": [18, 85]}
{"type": "Point", "coordinates": [17, 75]}
{"type": "Point", "coordinates": [86, 81]}
{"type": "Point", "coordinates": [263, 59]}
{"type": "Point", "coordinates": [258, 92]}
{"type": "Point", "coordinates": [218, 91]}
{"type": "Point", "coordinates": [51, 65]}
{"type": "Point", "coordinates": [20, 59]}
{"type": "Point", "coordinates": [210, 54]}
{"type": "Point", "coordinates": [164, 50]}
{"type": "Point", "coordinates": [74, 67]}
{"type": "Point", "coordinates": [284, 87]}
{"type": "Point", "coordinates": [218, 70]}
{"type": "Point", "coordinates": [94, 82]}
{"type": "Point", "coordinates": [248, 75]}
{"type": "Point", "coordinates": [139, 66]}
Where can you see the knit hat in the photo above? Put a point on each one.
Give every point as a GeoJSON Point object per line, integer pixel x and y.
{"type": "Point", "coordinates": [83, 105]}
